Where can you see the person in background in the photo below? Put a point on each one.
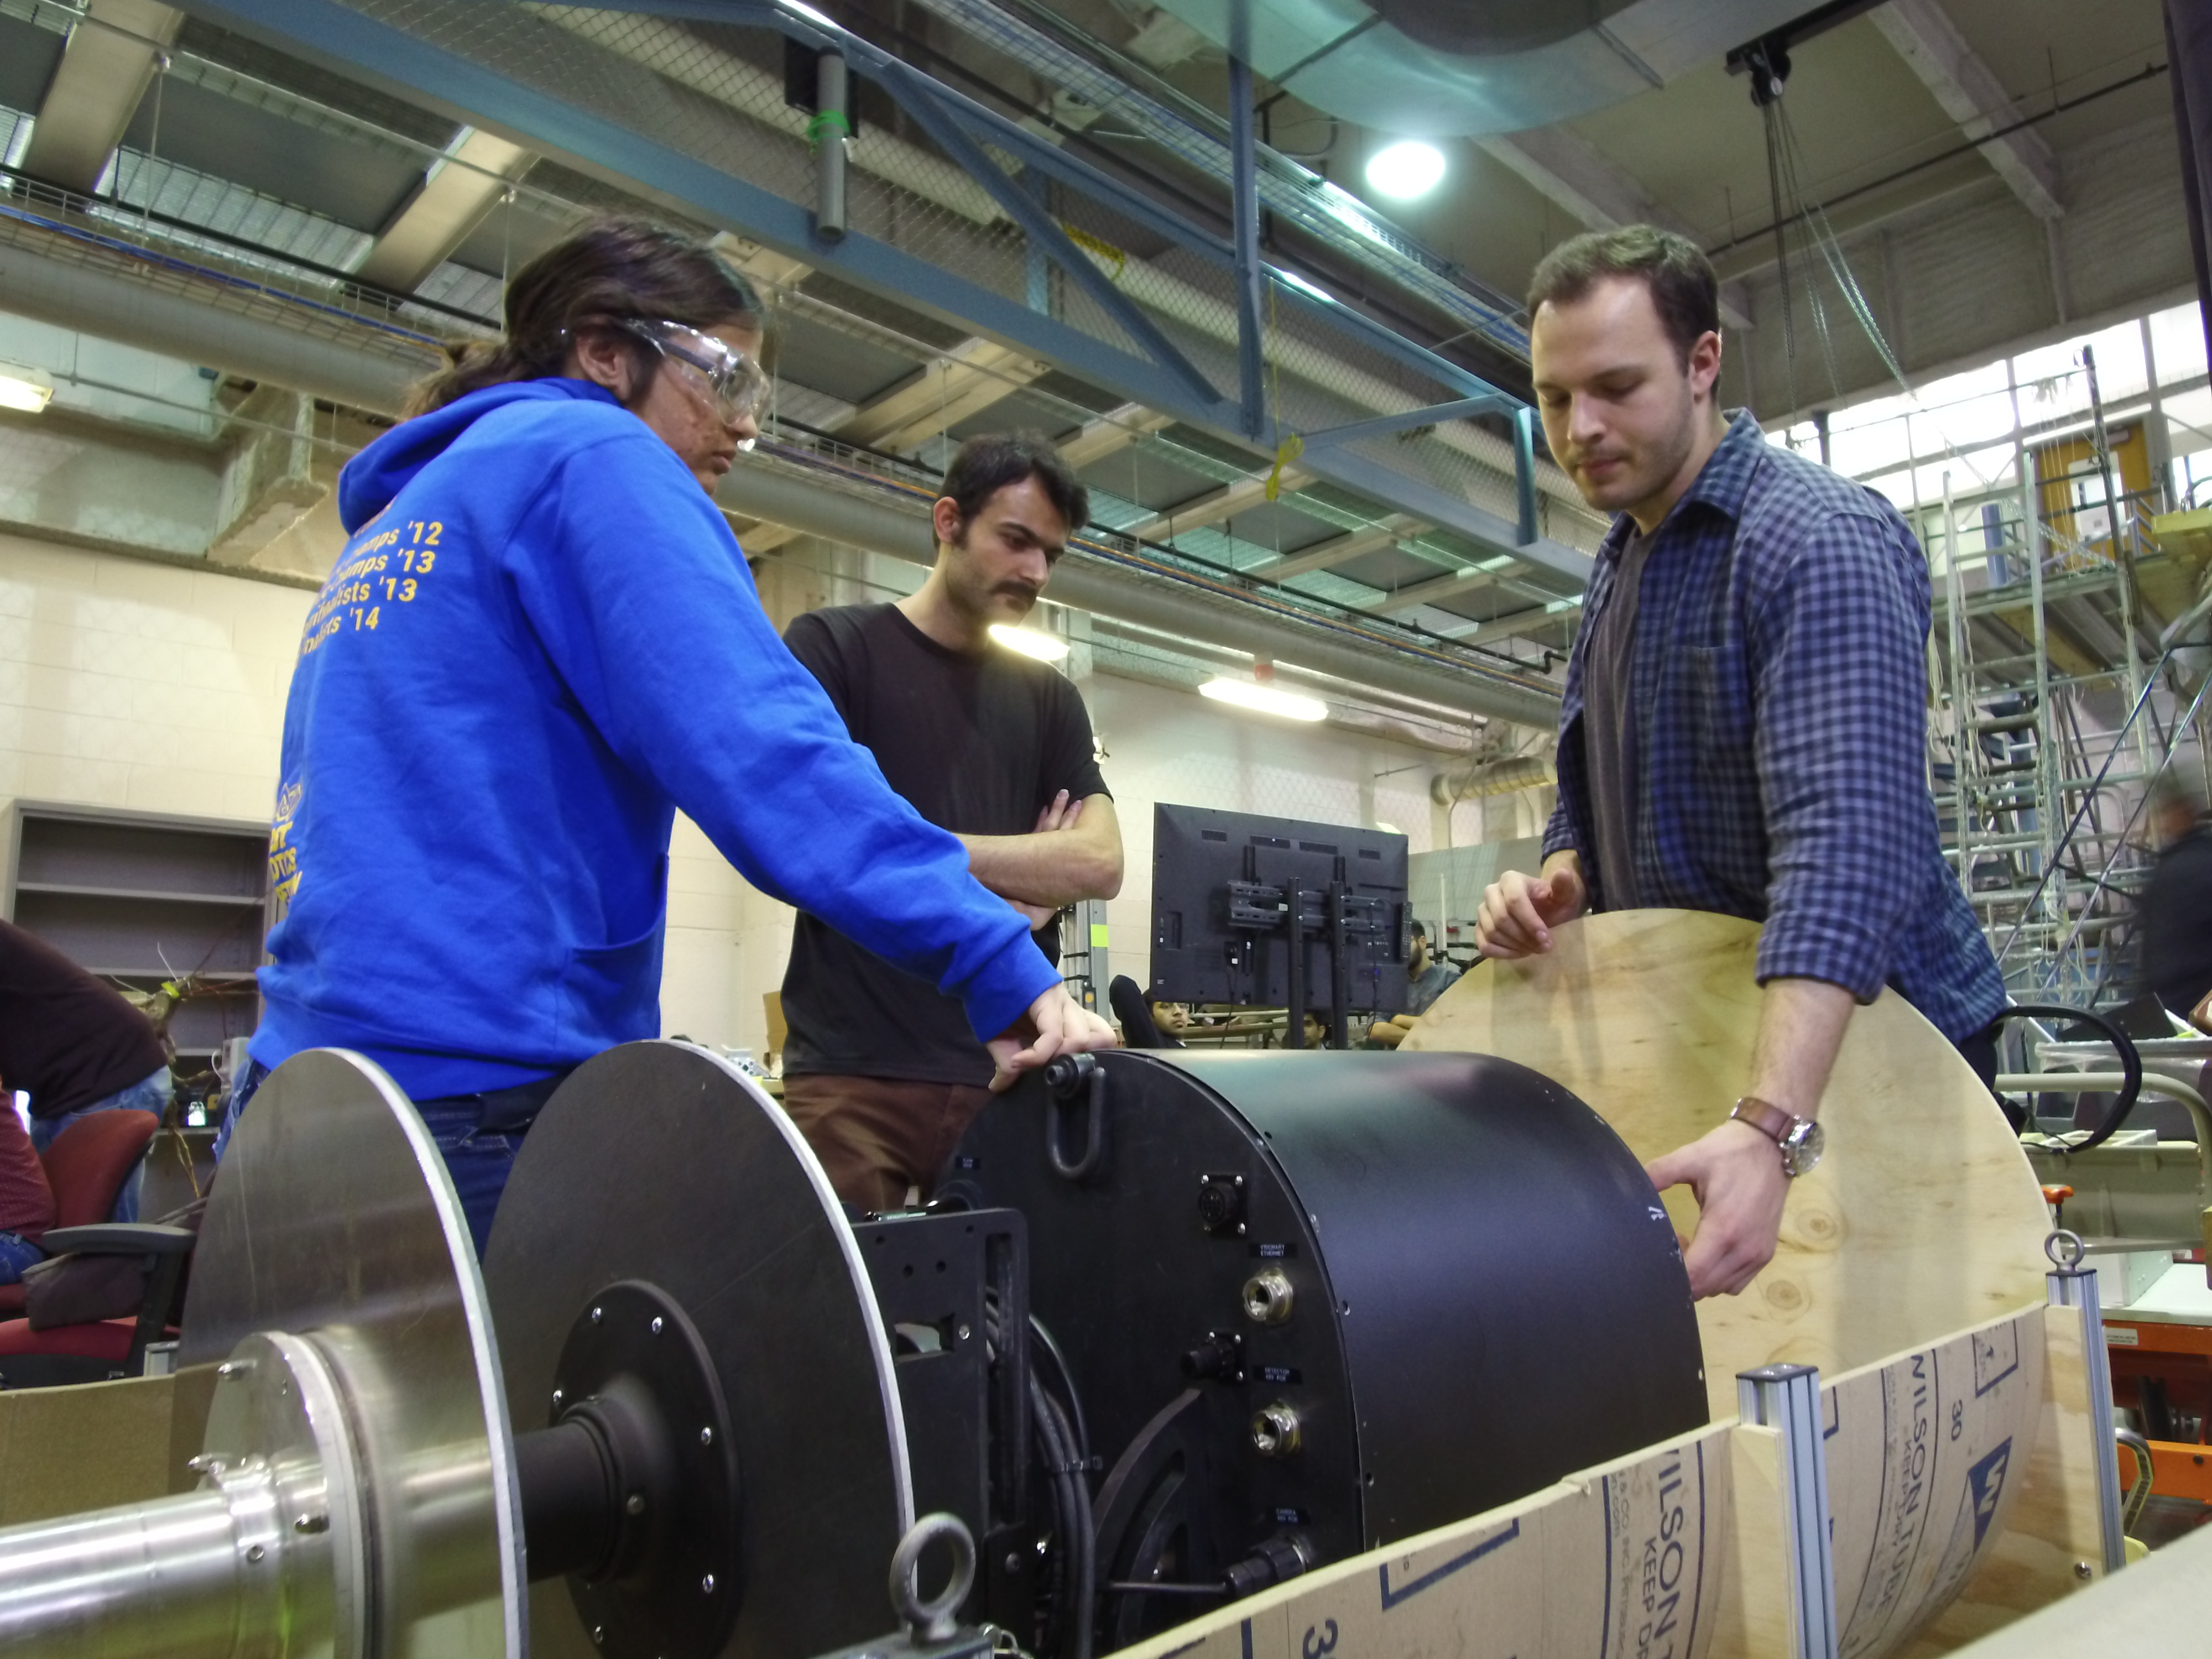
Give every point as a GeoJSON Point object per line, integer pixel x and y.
{"type": "Point", "coordinates": [27, 1202]}
{"type": "Point", "coordinates": [1744, 725]}
{"type": "Point", "coordinates": [1427, 978]}
{"type": "Point", "coordinates": [2176, 906]}
{"type": "Point", "coordinates": [1170, 1019]}
{"type": "Point", "coordinates": [540, 643]}
{"type": "Point", "coordinates": [74, 1045]}
{"type": "Point", "coordinates": [880, 1073]}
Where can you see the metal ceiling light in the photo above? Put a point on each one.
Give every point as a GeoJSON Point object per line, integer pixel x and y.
{"type": "Point", "coordinates": [1264, 699]}
{"type": "Point", "coordinates": [26, 391]}
{"type": "Point", "coordinates": [1406, 169]}
{"type": "Point", "coordinates": [1030, 642]}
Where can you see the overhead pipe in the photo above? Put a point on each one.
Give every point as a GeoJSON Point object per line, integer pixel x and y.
{"type": "Point", "coordinates": [895, 523]}
{"type": "Point", "coordinates": [205, 318]}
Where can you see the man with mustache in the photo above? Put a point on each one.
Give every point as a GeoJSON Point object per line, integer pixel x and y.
{"type": "Point", "coordinates": [881, 1072]}
{"type": "Point", "coordinates": [1744, 722]}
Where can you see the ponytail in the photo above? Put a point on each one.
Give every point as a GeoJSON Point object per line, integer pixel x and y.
{"type": "Point", "coordinates": [611, 268]}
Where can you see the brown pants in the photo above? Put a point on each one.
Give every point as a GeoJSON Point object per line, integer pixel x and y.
{"type": "Point", "coordinates": [877, 1137]}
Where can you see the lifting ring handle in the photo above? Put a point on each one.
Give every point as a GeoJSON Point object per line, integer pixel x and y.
{"type": "Point", "coordinates": [1063, 1078]}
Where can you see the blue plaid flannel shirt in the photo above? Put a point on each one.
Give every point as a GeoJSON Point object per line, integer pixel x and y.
{"type": "Point", "coordinates": [1779, 680]}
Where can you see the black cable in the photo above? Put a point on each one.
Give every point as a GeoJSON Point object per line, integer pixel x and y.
{"type": "Point", "coordinates": [1082, 1544]}
{"type": "Point", "coordinates": [1073, 1593]}
{"type": "Point", "coordinates": [1066, 1381]}
{"type": "Point", "coordinates": [2149, 72]}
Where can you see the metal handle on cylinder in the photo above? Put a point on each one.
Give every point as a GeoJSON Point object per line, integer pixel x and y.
{"type": "Point", "coordinates": [1063, 1078]}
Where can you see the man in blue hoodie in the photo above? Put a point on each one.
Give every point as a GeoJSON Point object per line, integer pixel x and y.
{"type": "Point", "coordinates": [540, 641]}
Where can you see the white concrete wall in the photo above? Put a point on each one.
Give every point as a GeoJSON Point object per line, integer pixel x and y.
{"type": "Point", "coordinates": [128, 683]}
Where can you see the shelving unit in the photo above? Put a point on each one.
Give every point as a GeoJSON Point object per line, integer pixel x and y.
{"type": "Point", "coordinates": [140, 897]}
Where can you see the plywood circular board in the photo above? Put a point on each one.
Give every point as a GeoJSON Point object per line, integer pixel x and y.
{"type": "Point", "coordinates": [1922, 1218]}
{"type": "Point", "coordinates": [1923, 1221]}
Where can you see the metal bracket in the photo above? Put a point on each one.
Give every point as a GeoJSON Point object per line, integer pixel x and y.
{"type": "Point", "coordinates": [1459, 409]}
{"type": "Point", "coordinates": [921, 100]}
{"type": "Point", "coordinates": [1787, 1399]}
{"type": "Point", "coordinates": [2071, 1285]}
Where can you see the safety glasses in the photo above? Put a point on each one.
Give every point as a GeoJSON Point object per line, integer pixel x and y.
{"type": "Point", "coordinates": [738, 384]}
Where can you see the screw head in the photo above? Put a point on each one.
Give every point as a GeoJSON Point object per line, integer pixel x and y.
{"type": "Point", "coordinates": [657, 1323]}
{"type": "Point", "coordinates": [311, 1523]}
{"type": "Point", "coordinates": [2084, 1571]}
{"type": "Point", "coordinates": [558, 1399]}
{"type": "Point", "coordinates": [706, 1585]}
{"type": "Point", "coordinates": [961, 1332]}
{"type": "Point", "coordinates": [598, 1631]}
{"type": "Point", "coordinates": [635, 1504]}
{"type": "Point", "coordinates": [1013, 1560]}
{"type": "Point", "coordinates": [707, 1436]}
{"type": "Point", "coordinates": [254, 1552]}
{"type": "Point", "coordinates": [597, 1314]}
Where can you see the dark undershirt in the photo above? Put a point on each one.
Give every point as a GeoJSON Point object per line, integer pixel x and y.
{"type": "Point", "coordinates": [1608, 723]}
{"type": "Point", "coordinates": [976, 745]}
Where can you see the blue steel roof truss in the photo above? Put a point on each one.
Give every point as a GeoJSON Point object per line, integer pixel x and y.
{"type": "Point", "coordinates": [1163, 378]}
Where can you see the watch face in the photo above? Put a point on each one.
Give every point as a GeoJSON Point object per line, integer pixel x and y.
{"type": "Point", "coordinates": [1803, 1146]}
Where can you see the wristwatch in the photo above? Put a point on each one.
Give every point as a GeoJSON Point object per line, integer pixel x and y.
{"type": "Point", "coordinates": [1799, 1138]}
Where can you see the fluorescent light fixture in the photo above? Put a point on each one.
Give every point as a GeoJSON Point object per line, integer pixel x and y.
{"type": "Point", "coordinates": [800, 8]}
{"type": "Point", "coordinates": [1292, 279]}
{"type": "Point", "coordinates": [26, 391]}
{"type": "Point", "coordinates": [1406, 169]}
{"type": "Point", "coordinates": [1030, 642]}
{"type": "Point", "coordinates": [1265, 699]}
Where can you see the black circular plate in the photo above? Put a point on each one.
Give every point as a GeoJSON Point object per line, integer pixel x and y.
{"type": "Point", "coordinates": [656, 1162]}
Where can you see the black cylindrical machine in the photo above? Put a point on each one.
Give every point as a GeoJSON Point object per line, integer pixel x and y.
{"type": "Point", "coordinates": [1313, 1304]}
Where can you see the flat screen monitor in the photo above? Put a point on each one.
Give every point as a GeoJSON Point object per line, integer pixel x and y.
{"type": "Point", "coordinates": [1200, 956]}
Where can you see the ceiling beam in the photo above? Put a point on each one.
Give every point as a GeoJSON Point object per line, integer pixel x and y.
{"type": "Point", "coordinates": [457, 194]}
{"type": "Point", "coordinates": [104, 73]}
{"type": "Point", "coordinates": [1970, 94]}
{"type": "Point", "coordinates": [1520, 623]}
{"type": "Point", "coordinates": [1339, 550]}
{"type": "Point", "coordinates": [1442, 587]}
{"type": "Point", "coordinates": [1211, 508]}
{"type": "Point", "coordinates": [1570, 173]}
{"type": "Point", "coordinates": [763, 265]}
{"type": "Point", "coordinates": [955, 387]}
{"type": "Point", "coordinates": [1110, 433]}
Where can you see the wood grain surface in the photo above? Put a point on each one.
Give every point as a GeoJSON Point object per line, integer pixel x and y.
{"type": "Point", "coordinates": [1924, 1218]}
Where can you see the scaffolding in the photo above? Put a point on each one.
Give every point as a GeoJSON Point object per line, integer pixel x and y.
{"type": "Point", "coordinates": [2054, 711]}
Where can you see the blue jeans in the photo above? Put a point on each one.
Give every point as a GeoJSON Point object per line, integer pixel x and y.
{"type": "Point", "coordinates": [17, 1253]}
{"type": "Point", "coordinates": [146, 1095]}
{"type": "Point", "coordinates": [477, 1135]}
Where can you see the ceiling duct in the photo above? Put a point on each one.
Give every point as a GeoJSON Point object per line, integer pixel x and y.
{"type": "Point", "coordinates": [98, 285]}
{"type": "Point", "coordinates": [1460, 68]}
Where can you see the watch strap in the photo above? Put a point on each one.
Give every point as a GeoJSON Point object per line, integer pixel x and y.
{"type": "Point", "coordinates": [1766, 1117]}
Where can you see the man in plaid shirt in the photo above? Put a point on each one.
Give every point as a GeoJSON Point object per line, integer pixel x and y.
{"type": "Point", "coordinates": [1744, 721]}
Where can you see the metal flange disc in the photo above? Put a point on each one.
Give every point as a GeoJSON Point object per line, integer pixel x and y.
{"type": "Point", "coordinates": [658, 1162]}
{"type": "Point", "coordinates": [333, 1219]}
